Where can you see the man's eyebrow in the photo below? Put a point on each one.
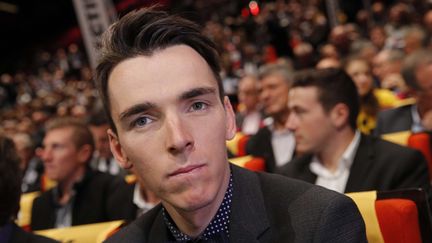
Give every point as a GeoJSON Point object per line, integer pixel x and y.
{"type": "Point", "coordinates": [197, 92]}
{"type": "Point", "coordinates": [139, 108]}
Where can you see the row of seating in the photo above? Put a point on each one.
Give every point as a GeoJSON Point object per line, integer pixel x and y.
{"type": "Point", "coordinates": [401, 216]}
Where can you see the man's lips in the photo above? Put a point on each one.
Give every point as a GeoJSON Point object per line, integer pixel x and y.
{"type": "Point", "coordinates": [185, 170]}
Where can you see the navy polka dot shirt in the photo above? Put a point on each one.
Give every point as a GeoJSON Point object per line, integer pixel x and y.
{"type": "Point", "coordinates": [216, 231]}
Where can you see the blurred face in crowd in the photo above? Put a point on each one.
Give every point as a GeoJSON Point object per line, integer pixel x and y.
{"type": "Point", "coordinates": [248, 93]}
{"type": "Point", "coordinates": [378, 36]}
{"type": "Point", "coordinates": [172, 127]}
{"type": "Point", "coordinates": [311, 124]}
{"type": "Point", "coordinates": [62, 159]}
{"type": "Point", "coordinates": [382, 67]}
{"type": "Point", "coordinates": [274, 94]}
{"type": "Point", "coordinates": [100, 137]}
{"type": "Point", "coordinates": [360, 73]}
{"type": "Point", "coordinates": [424, 94]}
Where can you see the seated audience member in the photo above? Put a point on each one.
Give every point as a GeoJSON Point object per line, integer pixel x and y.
{"type": "Point", "coordinates": [249, 116]}
{"type": "Point", "coordinates": [159, 79]}
{"type": "Point", "coordinates": [102, 160]}
{"type": "Point", "coordinates": [81, 194]}
{"type": "Point", "coordinates": [323, 111]}
{"type": "Point", "coordinates": [133, 201]}
{"type": "Point", "coordinates": [273, 142]}
{"type": "Point", "coordinates": [10, 189]}
{"type": "Point", "coordinates": [387, 66]}
{"type": "Point", "coordinates": [372, 100]}
{"type": "Point", "coordinates": [417, 117]}
{"type": "Point", "coordinates": [30, 165]}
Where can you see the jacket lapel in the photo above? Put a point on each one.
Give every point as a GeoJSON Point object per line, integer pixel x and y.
{"type": "Point", "coordinates": [363, 160]}
{"type": "Point", "coordinates": [249, 220]}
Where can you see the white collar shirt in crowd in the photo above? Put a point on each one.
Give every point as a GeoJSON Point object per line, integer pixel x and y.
{"type": "Point", "coordinates": [338, 179]}
{"type": "Point", "coordinates": [109, 166]}
{"type": "Point", "coordinates": [417, 125]}
{"type": "Point", "coordinates": [139, 201]}
{"type": "Point", "coordinates": [251, 123]}
{"type": "Point", "coordinates": [283, 143]}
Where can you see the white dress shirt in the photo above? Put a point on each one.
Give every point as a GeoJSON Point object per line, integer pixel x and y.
{"type": "Point", "coordinates": [338, 179]}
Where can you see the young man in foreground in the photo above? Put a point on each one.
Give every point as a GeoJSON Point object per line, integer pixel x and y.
{"type": "Point", "coordinates": [159, 81]}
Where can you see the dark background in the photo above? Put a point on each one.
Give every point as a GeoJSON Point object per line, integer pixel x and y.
{"type": "Point", "coordinates": [35, 25]}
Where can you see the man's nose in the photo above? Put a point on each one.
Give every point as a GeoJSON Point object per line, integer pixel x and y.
{"type": "Point", "coordinates": [44, 154]}
{"type": "Point", "coordinates": [178, 136]}
{"type": "Point", "coordinates": [290, 122]}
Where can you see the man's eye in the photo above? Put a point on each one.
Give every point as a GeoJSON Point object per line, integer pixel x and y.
{"type": "Point", "coordinates": [142, 121]}
{"type": "Point", "coordinates": [197, 106]}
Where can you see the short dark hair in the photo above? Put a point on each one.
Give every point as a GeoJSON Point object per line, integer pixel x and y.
{"type": "Point", "coordinates": [143, 32]}
{"type": "Point", "coordinates": [10, 181]}
{"type": "Point", "coordinates": [334, 86]}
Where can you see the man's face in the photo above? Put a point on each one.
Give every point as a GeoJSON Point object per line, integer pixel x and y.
{"type": "Point", "coordinates": [311, 125]}
{"type": "Point", "coordinates": [60, 156]}
{"type": "Point", "coordinates": [274, 94]}
{"type": "Point", "coordinates": [424, 95]}
{"type": "Point", "coordinates": [248, 93]}
{"type": "Point", "coordinates": [172, 126]}
{"type": "Point", "coordinates": [360, 74]}
{"type": "Point", "coordinates": [100, 137]}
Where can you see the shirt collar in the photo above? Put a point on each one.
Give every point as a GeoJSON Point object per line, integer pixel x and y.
{"type": "Point", "coordinates": [345, 161]}
{"type": "Point", "coordinates": [218, 225]}
{"type": "Point", "coordinates": [139, 201]}
{"type": "Point", "coordinates": [417, 125]}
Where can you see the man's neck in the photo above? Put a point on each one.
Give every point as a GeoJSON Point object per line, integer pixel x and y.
{"type": "Point", "coordinates": [193, 223]}
{"type": "Point", "coordinates": [334, 148]}
{"type": "Point", "coordinates": [279, 121]}
{"type": "Point", "coordinates": [66, 186]}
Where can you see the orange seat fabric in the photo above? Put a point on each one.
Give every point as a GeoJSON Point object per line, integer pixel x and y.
{"type": "Point", "coordinates": [398, 220]}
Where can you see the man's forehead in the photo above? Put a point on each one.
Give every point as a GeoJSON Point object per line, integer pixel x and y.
{"type": "Point", "coordinates": [61, 134]}
{"type": "Point", "coordinates": [145, 80]}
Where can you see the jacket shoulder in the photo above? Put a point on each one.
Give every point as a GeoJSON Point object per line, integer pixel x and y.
{"type": "Point", "coordinates": [138, 230]}
{"type": "Point", "coordinates": [312, 212]}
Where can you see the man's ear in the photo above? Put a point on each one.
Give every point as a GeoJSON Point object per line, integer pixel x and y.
{"type": "Point", "coordinates": [231, 128]}
{"type": "Point", "coordinates": [339, 115]}
{"type": "Point", "coordinates": [118, 151]}
{"type": "Point", "coordinates": [85, 153]}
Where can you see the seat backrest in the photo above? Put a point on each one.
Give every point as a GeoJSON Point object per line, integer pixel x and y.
{"type": "Point", "coordinates": [422, 142]}
{"type": "Point", "coordinates": [398, 220]}
{"type": "Point", "coordinates": [24, 214]}
{"type": "Point", "coordinates": [419, 197]}
{"type": "Point", "coordinates": [395, 216]}
{"type": "Point", "coordinates": [249, 162]}
{"type": "Point", "coordinates": [83, 233]}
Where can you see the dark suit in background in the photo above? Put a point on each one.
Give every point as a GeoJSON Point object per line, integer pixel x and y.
{"type": "Point", "coordinates": [20, 236]}
{"type": "Point", "coordinates": [377, 165]}
{"type": "Point", "coordinates": [122, 200]}
{"type": "Point", "coordinates": [394, 120]}
{"type": "Point", "coordinates": [90, 205]}
{"type": "Point", "coordinates": [269, 208]}
{"type": "Point", "coordinates": [259, 145]}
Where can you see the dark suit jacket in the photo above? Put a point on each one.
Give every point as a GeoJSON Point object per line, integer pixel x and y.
{"type": "Point", "coordinates": [377, 165]}
{"type": "Point", "coordinates": [269, 208]}
{"type": "Point", "coordinates": [122, 200]}
{"type": "Point", "coordinates": [394, 120]}
{"type": "Point", "coordinates": [90, 205]}
{"type": "Point", "coordinates": [21, 236]}
{"type": "Point", "coordinates": [259, 145]}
